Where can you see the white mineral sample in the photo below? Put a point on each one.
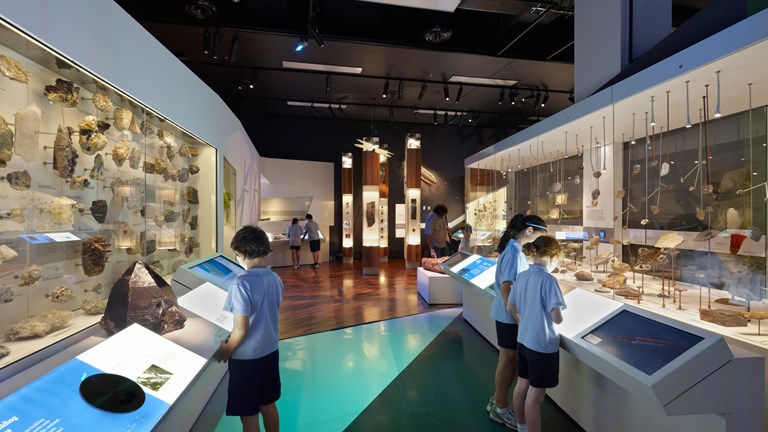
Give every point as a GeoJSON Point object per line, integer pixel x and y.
{"type": "Point", "coordinates": [7, 254]}
{"type": "Point", "coordinates": [28, 132]}
{"type": "Point", "coordinates": [30, 276]}
{"type": "Point", "coordinates": [122, 119]}
{"type": "Point", "coordinates": [120, 152]}
{"type": "Point", "coordinates": [38, 325]}
{"type": "Point", "coordinates": [94, 307]}
{"type": "Point", "coordinates": [6, 143]}
{"type": "Point", "coordinates": [13, 69]}
{"type": "Point", "coordinates": [102, 102]}
{"type": "Point", "coordinates": [61, 294]}
{"type": "Point", "coordinates": [63, 210]}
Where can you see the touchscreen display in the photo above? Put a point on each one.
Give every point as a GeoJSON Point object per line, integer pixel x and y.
{"type": "Point", "coordinates": [220, 271]}
{"type": "Point", "coordinates": [480, 271]}
{"type": "Point", "coordinates": [454, 260]}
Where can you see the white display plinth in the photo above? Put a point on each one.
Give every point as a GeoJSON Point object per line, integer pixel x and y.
{"type": "Point", "coordinates": [437, 288]}
{"type": "Point", "coordinates": [477, 312]}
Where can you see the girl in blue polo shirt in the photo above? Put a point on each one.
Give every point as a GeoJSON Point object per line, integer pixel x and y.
{"type": "Point", "coordinates": [521, 229]}
{"type": "Point", "coordinates": [537, 300]}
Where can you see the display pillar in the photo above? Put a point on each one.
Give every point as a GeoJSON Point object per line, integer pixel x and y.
{"type": "Point", "coordinates": [347, 204]}
{"type": "Point", "coordinates": [384, 206]}
{"type": "Point", "coordinates": [413, 200]}
{"type": "Point", "coordinates": [371, 180]}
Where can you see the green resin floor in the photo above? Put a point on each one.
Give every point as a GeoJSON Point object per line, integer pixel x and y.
{"type": "Point", "coordinates": [423, 372]}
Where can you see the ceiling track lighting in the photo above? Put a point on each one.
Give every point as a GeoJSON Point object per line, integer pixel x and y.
{"type": "Point", "coordinates": [545, 100]}
{"type": "Point", "coordinates": [501, 95]}
{"type": "Point", "coordinates": [314, 109]}
{"type": "Point", "coordinates": [513, 94]}
{"type": "Point", "coordinates": [254, 77]}
{"type": "Point", "coordinates": [233, 49]}
{"type": "Point", "coordinates": [446, 92]}
{"type": "Point", "coordinates": [206, 41]}
{"type": "Point", "coordinates": [717, 107]}
{"type": "Point", "coordinates": [538, 100]}
{"type": "Point", "coordinates": [633, 141]}
{"type": "Point", "coordinates": [458, 95]}
{"type": "Point", "coordinates": [445, 118]}
{"type": "Point", "coordinates": [653, 117]}
{"type": "Point", "coordinates": [400, 89]}
{"type": "Point", "coordinates": [687, 107]}
{"type": "Point", "coordinates": [216, 44]}
{"type": "Point", "coordinates": [327, 85]}
{"type": "Point", "coordinates": [315, 35]}
{"type": "Point", "coordinates": [434, 118]}
{"type": "Point", "coordinates": [423, 90]}
{"type": "Point", "coordinates": [301, 45]}
{"type": "Point", "coordinates": [341, 110]}
{"type": "Point", "coordinates": [386, 89]}
{"type": "Point", "coordinates": [244, 81]}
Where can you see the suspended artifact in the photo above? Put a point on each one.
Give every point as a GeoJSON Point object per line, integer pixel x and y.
{"type": "Point", "coordinates": [134, 126]}
{"type": "Point", "coordinates": [644, 222]}
{"type": "Point", "coordinates": [755, 233]}
{"type": "Point", "coordinates": [664, 169]}
{"type": "Point", "coordinates": [120, 152]}
{"type": "Point", "coordinates": [655, 209]}
{"type": "Point", "coordinates": [13, 69]}
{"type": "Point", "coordinates": [554, 213]}
{"type": "Point", "coordinates": [635, 169]}
{"type": "Point", "coordinates": [194, 169]}
{"type": "Point", "coordinates": [92, 138]}
{"type": "Point", "coordinates": [595, 194]}
{"type": "Point", "coordinates": [102, 102]}
{"type": "Point", "coordinates": [122, 119]}
{"type": "Point", "coordinates": [97, 171]}
{"type": "Point", "coordinates": [64, 153]}
{"type": "Point", "coordinates": [134, 158]}
{"type": "Point", "coordinates": [620, 194]}
{"type": "Point", "coordinates": [64, 93]}
{"type": "Point", "coordinates": [27, 139]}
{"type": "Point", "coordinates": [79, 182]}
{"type": "Point", "coordinates": [19, 180]}
{"type": "Point", "coordinates": [556, 187]}
{"type": "Point", "coordinates": [191, 195]}
{"type": "Point", "coordinates": [99, 210]}
{"type": "Point", "coordinates": [94, 255]}
{"type": "Point", "coordinates": [583, 276]}
{"type": "Point", "coordinates": [700, 215]}
{"type": "Point", "coordinates": [669, 240]}
{"type": "Point", "coordinates": [736, 241]}
{"type": "Point", "coordinates": [576, 179]}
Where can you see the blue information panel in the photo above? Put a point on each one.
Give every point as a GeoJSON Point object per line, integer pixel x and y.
{"type": "Point", "coordinates": [478, 270]}
{"type": "Point", "coordinates": [219, 270]}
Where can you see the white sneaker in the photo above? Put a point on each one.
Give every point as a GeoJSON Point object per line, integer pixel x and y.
{"type": "Point", "coordinates": [491, 404]}
{"type": "Point", "coordinates": [504, 416]}
{"type": "Point", "coordinates": [522, 428]}
{"type": "Point", "coordinates": [295, 266]}
{"type": "Point", "coordinates": [317, 265]}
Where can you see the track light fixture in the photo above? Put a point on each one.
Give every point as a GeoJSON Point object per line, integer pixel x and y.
{"type": "Point", "coordinates": [327, 85]}
{"type": "Point", "coordinates": [386, 89]}
{"type": "Point", "coordinates": [501, 95]}
{"type": "Point", "coordinates": [571, 99]}
{"type": "Point", "coordinates": [687, 107]}
{"type": "Point", "coordinates": [206, 41]}
{"type": "Point", "coordinates": [513, 94]}
{"type": "Point", "coordinates": [233, 49]}
{"type": "Point", "coordinates": [545, 100]}
{"type": "Point", "coordinates": [446, 92]}
{"type": "Point", "coordinates": [653, 117]}
{"type": "Point", "coordinates": [538, 99]}
{"type": "Point", "coordinates": [458, 95]}
{"type": "Point", "coordinates": [301, 45]}
{"type": "Point", "coordinates": [254, 75]}
{"type": "Point", "coordinates": [400, 90]}
{"type": "Point", "coordinates": [423, 90]}
{"type": "Point", "coordinates": [216, 44]}
{"type": "Point", "coordinates": [445, 118]}
{"type": "Point", "coordinates": [434, 117]}
{"type": "Point", "coordinates": [315, 35]}
{"type": "Point", "coordinates": [717, 107]}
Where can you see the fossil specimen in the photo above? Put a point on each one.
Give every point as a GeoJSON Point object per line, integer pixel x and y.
{"type": "Point", "coordinates": [134, 158]}
{"type": "Point", "coordinates": [99, 210]}
{"type": "Point", "coordinates": [102, 102]}
{"type": "Point", "coordinates": [14, 70]}
{"type": "Point", "coordinates": [79, 182]}
{"type": "Point", "coordinates": [64, 153]}
{"type": "Point", "coordinates": [669, 240]}
{"type": "Point", "coordinates": [19, 180]}
{"type": "Point", "coordinates": [16, 215]}
{"type": "Point", "coordinates": [120, 152]}
{"type": "Point", "coordinates": [27, 142]}
{"type": "Point", "coordinates": [94, 255]}
{"type": "Point", "coordinates": [6, 143]}
{"type": "Point", "coordinates": [30, 276]}
{"type": "Point", "coordinates": [93, 307]}
{"type": "Point", "coordinates": [6, 294]}
{"type": "Point", "coordinates": [38, 325]}
{"type": "Point", "coordinates": [595, 194]}
{"type": "Point", "coordinates": [194, 169]}
{"type": "Point", "coordinates": [191, 195]}
{"type": "Point", "coordinates": [97, 171]}
{"type": "Point", "coordinates": [190, 243]}
{"type": "Point", "coordinates": [63, 210]}
{"type": "Point", "coordinates": [64, 93]}
{"type": "Point", "coordinates": [122, 119]}
{"type": "Point", "coordinates": [61, 294]}
{"type": "Point", "coordinates": [187, 151]}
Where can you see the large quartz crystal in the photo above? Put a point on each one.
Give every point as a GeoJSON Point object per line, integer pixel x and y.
{"type": "Point", "coordinates": [92, 138]}
{"type": "Point", "coordinates": [64, 92]}
{"type": "Point", "coordinates": [94, 255]}
{"type": "Point", "coordinates": [63, 210]}
{"type": "Point", "coordinates": [93, 307]}
{"type": "Point", "coordinates": [122, 119]}
{"type": "Point", "coordinates": [38, 325]}
{"type": "Point", "coordinates": [19, 180]}
{"type": "Point", "coordinates": [28, 132]}
{"type": "Point", "coordinates": [30, 276]}
{"type": "Point", "coordinates": [6, 294]}
{"type": "Point", "coordinates": [99, 210]}
{"type": "Point", "coordinates": [13, 69]}
{"type": "Point", "coordinates": [97, 171]}
{"type": "Point", "coordinates": [6, 143]}
{"type": "Point", "coordinates": [141, 296]}
{"type": "Point", "coordinates": [64, 153]}
{"type": "Point", "coordinates": [61, 294]}
{"type": "Point", "coordinates": [102, 102]}
{"type": "Point", "coordinates": [120, 152]}
{"type": "Point", "coordinates": [191, 195]}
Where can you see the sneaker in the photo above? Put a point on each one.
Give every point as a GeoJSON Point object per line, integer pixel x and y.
{"type": "Point", "coordinates": [522, 428]}
{"type": "Point", "coordinates": [491, 404]}
{"type": "Point", "coordinates": [317, 265]}
{"type": "Point", "coordinates": [503, 416]}
{"type": "Point", "coordinates": [295, 266]}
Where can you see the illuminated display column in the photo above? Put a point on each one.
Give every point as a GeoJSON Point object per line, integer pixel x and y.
{"type": "Point", "coordinates": [384, 205]}
{"type": "Point", "coordinates": [413, 200]}
{"type": "Point", "coordinates": [371, 180]}
{"type": "Point", "coordinates": [347, 205]}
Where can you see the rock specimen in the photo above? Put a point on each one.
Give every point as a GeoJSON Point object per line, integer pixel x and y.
{"type": "Point", "coordinates": [7, 254]}
{"type": "Point", "coordinates": [754, 315]}
{"type": "Point", "coordinates": [92, 138]}
{"type": "Point", "coordinates": [64, 153]}
{"type": "Point", "coordinates": [755, 234]}
{"type": "Point", "coordinates": [161, 166]}
{"type": "Point", "coordinates": [194, 169]}
{"type": "Point", "coordinates": [6, 143]}
{"type": "Point", "coordinates": [190, 244]}
{"type": "Point", "coordinates": [134, 126]}
{"type": "Point", "coordinates": [38, 325]}
{"type": "Point", "coordinates": [148, 211]}
{"type": "Point", "coordinates": [187, 151]}
{"type": "Point", "coordinates": [94, 255]}
{"type": "Point", "coordinates": [30, 276]}
{"type": "Point", "coordinates": [572, 267]}
{"type": "Point", "coordinates": [13, 69]}
{"type": "Point", "coordinates": [61, 294]}
{"type": "Point", "coordinates": [669, 240]}
{"type": "Point", "coordinates": [614, 281]}
{"type": "Point", "coordinates": [63, 210]}
{"type": "Point", "coordinates": [27, 127]}
{"type": "Point", "coordinates": [171, 174]}
{"type": "Point", "coordinates": [185, 214]}
{"type": "Point", "coordinates": [170, 150]}
{"type": "Point", "coordinates": [64, 93]}
{"type": "Point", "coordinates": [148, 246]}
{"type": "Point", "coordinates": [19, 180]}
{"type": "Point", "coordinates": [170, 216]}
{"type": "Point", "coordinates": [4, 351]}
{"type": "Point", "coordinates": [583, 276]}
{"type": "Point", "coordinates": [370, 214]}
{"type": "Point", "coordinates": [191, 196]}
{"type": "Point", "coordinates": [183, 175]}
{"type": "Point", "coordinates": [723, 317]}
{"type": "Point", "coordinates": [134, 158]}
{"type": "Point", "coordinates": [6, 294]}
{"type": "Point", "coordinates": [122, 119]}
{"type": "Point", "coordinates": [149, 167]}
{"type": "Point", "coordinates": [16, 215]}
{"type": "Point", "coordinates": [99, 210]}
{"type": "Point", "coordinates": [620, 267]}
{"type": "Point", "coordinates": [120, 152]}
{"type": "Point", "coordinates": [164, 136]}
{"type": "Point", "coordinates": [93, 307]}
{"type": "Point", "coordinates": [146, 129]}
{"type": "Point", "coordinates": [141, 296]}
{"type": "Point", "coordinates": [629, 293]}
{"type": "Point", "coordinates": [97, 171]}
{"type": "Point", "coordinates": [706, 235]}
{"type": "Point", "coordinates": [102, 102]}
{"type": "Point", "coordinates": [124, 235]}
{"type": "Point", "coordinates": [193, 223]}
{"type": "Point", "coordinates": [79, 182]}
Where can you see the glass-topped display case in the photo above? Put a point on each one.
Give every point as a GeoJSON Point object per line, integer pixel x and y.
{"type": "Point", "coordinates": [92, 181]}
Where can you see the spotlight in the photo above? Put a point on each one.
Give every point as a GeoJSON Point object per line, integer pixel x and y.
{"type": "Point", "coordinates": [458, 95]}
{"type": "Point", "coordinates": [206, 41]}
{"type": "Point", "coordinates": [301, 45]}
{"type": "Point", "coordinates": [400, 91]}
{"type": "Point", "coordinates": [254, 76]}
{"type": "Point", "coordinates": [471, 118]}
{"type": "Point", "coordinates": [434, 117]}
{"type": "Point", "coordinates": [233, 49]}
{"type": "Point", "coordinates": [244, 81]}
{"type": "Point", "coordinates": [546, 98]}
{"type": "Point", "coordinates": [538, 100]}
{"type": "Point", "coordinates": [501, 95]}
{"type": "Point", "coordinates": [446, 92]}
{"type": "Point", "coordinates": [513, 94]}
{"type": "Point", "coordinates": [423, 90]}
{"type": "Point", "coordinates": [327, 85]}
{"type": "Point", "coordinates": [216, 44]}
{"type": "Point", "coordinates": [386, 89]}
{"type": "Point", "coordinates": [316, 35]}
{"type": "Point", "coordinates": [571, 99]}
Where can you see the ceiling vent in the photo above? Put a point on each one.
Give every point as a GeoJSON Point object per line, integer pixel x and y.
{"type": "Point", "coordinates": [438, 34]}
{"type": "Point", "coordinates": [201, 9]}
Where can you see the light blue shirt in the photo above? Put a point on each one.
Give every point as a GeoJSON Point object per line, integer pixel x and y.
{"type": "Point", "coordinates": [294, 235]}
{"type": "Point", "coordinates": [535, 294]}
{"type": "Point", "coordinates": [312, 229]}
{"type": "Point", "coordinates": [256, 293]}
{"type": "Point", "coordinates": [511, 262]}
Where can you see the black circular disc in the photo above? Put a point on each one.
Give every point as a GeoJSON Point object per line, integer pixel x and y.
{"type": "Point", "coordinates": [113, 393]}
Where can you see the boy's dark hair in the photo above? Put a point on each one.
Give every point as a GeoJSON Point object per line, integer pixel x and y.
{"type": "Point", "coordinates": [250, 242]}
{"type": "Point", "coordinates": [309, 216]}
{"type": "Point", "coordinates": [440, 210]}
{"type": "Point", "coordinates": [295, 221]}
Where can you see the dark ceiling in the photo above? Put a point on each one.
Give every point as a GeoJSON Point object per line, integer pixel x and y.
{"type": "Point", "coordinates": [529, 42]}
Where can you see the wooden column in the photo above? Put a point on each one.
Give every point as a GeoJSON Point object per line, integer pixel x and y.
{"type": "Point", "coordinates": [347, 209]}
{"type": "Point", "coordinates": [413, 200]}
{"type": "Point", "coordinates": [371, 181]}
{"type": "Point", "coordinates": [384, 207]}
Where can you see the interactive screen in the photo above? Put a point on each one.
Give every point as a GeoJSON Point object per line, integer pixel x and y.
{"type": "Point", "coordinates": [454, 260]}
{"type": "Point", "coordinates": [219, 270]}
{"type": "Point", "coordinates": [641, 342]}
{"type": "Point", "coordinates": [479, 271]}
{"type": "Point", "coordinates": [571, 235]}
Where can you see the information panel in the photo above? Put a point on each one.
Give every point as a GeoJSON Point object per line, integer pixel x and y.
{"type": "Point", "coordinates": [219, 270]}
{"type": "Point", "coordinates": [475, 269]}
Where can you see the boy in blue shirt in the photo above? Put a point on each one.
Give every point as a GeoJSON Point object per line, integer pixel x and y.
{"type": "Point", "coordinates": [251, 349]}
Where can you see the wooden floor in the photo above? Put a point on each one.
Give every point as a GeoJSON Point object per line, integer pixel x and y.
{"type": "Point", "coordinates": [338, 295]}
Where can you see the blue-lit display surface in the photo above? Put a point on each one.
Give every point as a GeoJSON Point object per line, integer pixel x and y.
{"type": "Point", "coordinates": [475, 269]}
{"type": "Point", "coordinates": [219, 270]}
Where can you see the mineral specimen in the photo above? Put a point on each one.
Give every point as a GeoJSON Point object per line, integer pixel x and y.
{"type": "Point", "coordinates": [6, 294]}
{"type": "Point", "coordinates": [28, 132]}
{"type": "Point", "coordinates": [30, 276]}
{"type": "Point", "coordinates": [187, 151]}
{"type": "Point", "coordinates": [194, 169]}
{"type": "Point", "coordinates": [93, 307]}
{"type": "Point", "coordinates": [38, 325]}
{"type": "Point", "coordinates": [627, 292]}
{"type": "Point", "coordinates": [134, 126]}
{"type": "Point", "coordinates": [13, 69]}
{"type": "Point", "coordinates": [79, 182]}
{"type": "Point", "coordinates": [185, 214]}
{"type": "Point", "coordinates": [171, 174]}
{"type": "Point", "coordinates": [161, 166]}
{"type": "Point", "coordinates": [97, 171]}
{"type": "Point", "coordinates": [16, 215]}
{"type": "Point", "coordinates": [19, 180]}
{"type": "Point", "coordinates": [102, 102]}
{"type": "Point", "coordinates": [191, 195]}
{"type": "Point", "coordinates": [146, 129]}
{"type": "Point", "coordinates": [572, 267]}
{"type": "Point", "coordinates": [164, 136]}
{"type": "Point", "coordinates": [6, 143]}
{"type": "Point", "coordinates": [61, 294]}
{"type": "Point", "coordinates": [124, 235]}
{"type": "Point", "coordinates": [190, 244]}
{"type": "Point", "coordinates": [149, 167]}
{"type": "Point", "coordinates": [148, 211]}
{"type": "Point", "coordinates": [99, 210]}
{"type": "Point", "coordinates": [64, 153]}
{"type": "Point", "coordinates": [94, 255]}
{"type": "Point", "coordinates": [7, 254]}
{"type": "Point", "coordinates": [170, 216]}
{"type": "Point", "coordinates": [620, 267]}
{"type": "Point", "coordinates": [755, 233]}
{"type": "Point", "coordinates": [669, 240]}
{"type": "Point", "coordinates": [4, 351]}
{"type": "Point", "coordinates": [614, 281]}
{"type": "Point", "coordinates": [148, 246]}
{"type": "Point", "coordinates": [184, 175]}
{"type": "Point", "coordinates": [134, 158]}
{"type": "Point", "coordinates": [141, 296]}
{"type": "Point", "coordinates": [583, 276]}
{"type": "Point", "coordinates": [96, 289]}
{"type": "Point", "coordinates": [159, 220]}
{"type": "Point", "coordinates": [64, 93]}
{"type": "Point", "coordinates": [120, 152]}
{"type": "Point", "coordinates": [63, 210]}
{"type": "Point", "coordinates": [92, 138]}
{"type": "Point", "coordinates": [170, 150]}
{"type": "Point", "coordinates": [193, 223]}
{"type": "Point", "coordinates": [122, 119]}
{"type": "Point", "coordinates": [723, 317]}
{"type": "Point", "coordinates": [620, 194]}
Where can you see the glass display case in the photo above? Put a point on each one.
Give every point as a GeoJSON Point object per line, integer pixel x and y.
{"type": "Point", "coordinates": [92, 181]}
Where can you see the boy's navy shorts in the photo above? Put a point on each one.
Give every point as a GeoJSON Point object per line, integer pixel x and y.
{"type": "Point", "coordinates": [252, 384]}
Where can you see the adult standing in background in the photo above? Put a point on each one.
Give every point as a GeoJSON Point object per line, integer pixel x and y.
{"type": "Point", "coordinates": [312, 233]}
{"type": "Point", "coordinates": [436, 229]}
{"type": "Point", "coordinates": [294, 241]}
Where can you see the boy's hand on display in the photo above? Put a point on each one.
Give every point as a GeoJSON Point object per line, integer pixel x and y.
{"type": "Point", "coordinates": [223, 353]}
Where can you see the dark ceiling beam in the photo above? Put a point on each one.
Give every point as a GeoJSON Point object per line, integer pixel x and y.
{"type": "Point", "coordinates": [530, 26]}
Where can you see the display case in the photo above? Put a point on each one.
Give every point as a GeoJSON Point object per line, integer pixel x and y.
{"type": "Point", "coordinates": [384, 203]}
{"type": "Point", "coordinates": [92, 182]}
{"type": "Point", "coordinates": [413, 200]}
{"type": "Point", "coordinates": [347, 205]}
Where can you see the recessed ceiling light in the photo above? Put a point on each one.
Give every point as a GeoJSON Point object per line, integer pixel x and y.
{"type": "Point", "coordinates": [322, 67]}
{"type": "Point", "coordinates": [485, 81]}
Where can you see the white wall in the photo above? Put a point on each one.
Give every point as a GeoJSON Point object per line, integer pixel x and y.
{"type": "Point", "coordinates": [295, 178]}
{"type": "Point", "coordinates": [105, 40]}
